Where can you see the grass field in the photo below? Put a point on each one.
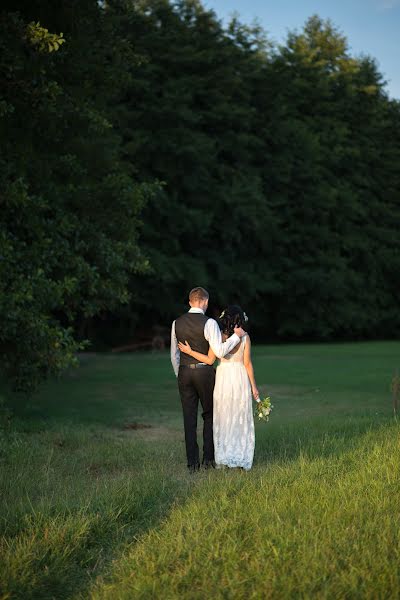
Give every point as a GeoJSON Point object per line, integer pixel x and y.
{"type": "Point", "coordinates": [92, 507]}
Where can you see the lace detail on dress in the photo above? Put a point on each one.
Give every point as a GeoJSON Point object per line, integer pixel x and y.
{"type": "Point", "coordinates": [235, 356]}
{"type": "Point", "coordinates": [233, 422]}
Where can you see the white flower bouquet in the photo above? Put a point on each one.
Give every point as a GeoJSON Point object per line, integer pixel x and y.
{"type": "Point", "coordinates": [263, 409]}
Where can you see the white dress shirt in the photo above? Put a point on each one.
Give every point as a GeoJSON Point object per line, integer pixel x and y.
{"type": "Point", "coordinates": [212, 333]}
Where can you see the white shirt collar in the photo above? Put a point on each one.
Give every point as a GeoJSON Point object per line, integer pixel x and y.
{"type": "Point", "coordinates": [196, 310]}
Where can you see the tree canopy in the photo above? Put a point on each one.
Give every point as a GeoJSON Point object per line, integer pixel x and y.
{"type": "Point", "coordinates": [147, 148]}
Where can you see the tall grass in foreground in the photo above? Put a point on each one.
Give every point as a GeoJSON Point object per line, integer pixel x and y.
{"type": "Point", "coordinates": [90, 508]}
{"type": "Point", "coordinates": [323, 527]}
{"type": "Point", "coordinates": [71, 499]}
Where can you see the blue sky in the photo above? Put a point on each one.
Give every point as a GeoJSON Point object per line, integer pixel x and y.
{"type": "Point", "coordinates": [371, 26]}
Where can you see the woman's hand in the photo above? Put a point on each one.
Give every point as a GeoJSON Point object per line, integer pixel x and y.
{"type": "Point", "coordinates": [256, 393]}
{"type": "Point", "coordinates": [185, 347]}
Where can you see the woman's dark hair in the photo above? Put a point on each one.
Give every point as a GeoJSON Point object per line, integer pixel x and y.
{"type": "Point", "coordinates": [233, 316]}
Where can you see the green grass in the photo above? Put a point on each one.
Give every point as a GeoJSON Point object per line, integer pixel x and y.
{"type": "Point", "coordinates": [91, 509]}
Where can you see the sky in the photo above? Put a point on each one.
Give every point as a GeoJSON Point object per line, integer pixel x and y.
{"type": "Point", "coordinates": [372, 27]}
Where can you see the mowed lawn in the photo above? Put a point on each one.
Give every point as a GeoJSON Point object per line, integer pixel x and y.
{"type": "Point", "coordinates": [96, 501]}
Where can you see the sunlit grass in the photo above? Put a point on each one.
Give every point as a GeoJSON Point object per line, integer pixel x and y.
{"type": "Point", "coordinates": [315, 527]}
{"type": "Point", "coordinates": [90, 508]}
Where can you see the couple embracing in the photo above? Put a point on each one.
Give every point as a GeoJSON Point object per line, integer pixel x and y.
{"type": "Point", "coordinates": [225, 396]}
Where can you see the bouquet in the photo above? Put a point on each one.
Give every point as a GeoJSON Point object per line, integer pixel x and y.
{"type": "Point", "coordinates": [263, 409]}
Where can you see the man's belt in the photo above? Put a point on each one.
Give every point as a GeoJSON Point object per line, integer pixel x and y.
{"type": "Point", "coordinates": [195, 365]}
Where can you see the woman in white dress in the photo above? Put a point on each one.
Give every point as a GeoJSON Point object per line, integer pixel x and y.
{"type": "Point", "coordinates": [233, 423]}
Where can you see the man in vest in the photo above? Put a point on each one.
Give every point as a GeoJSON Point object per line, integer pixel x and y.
{"type": "Point", "coordinates": [195, 379]}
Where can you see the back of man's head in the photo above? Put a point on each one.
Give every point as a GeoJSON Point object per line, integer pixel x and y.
{"type": "Point", "coordinates": [198, 294]}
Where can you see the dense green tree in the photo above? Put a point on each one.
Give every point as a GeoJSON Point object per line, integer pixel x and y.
{"type": "Point", "coordinates": [276, 167]}
{"type": "Point", "coordinates": [261, 152]}
{"type": "Point", "coordinates": [187, 121]}
{"type": "Point", "coordinates": [323, 129]}
{"type": "Point", "coordinates": [266, 172]}
{"type": "Point", "coordinates": [69, 215]}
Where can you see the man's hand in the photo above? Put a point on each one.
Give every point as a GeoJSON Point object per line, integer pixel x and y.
{"type": "Point", "coordinates": [239, 331]}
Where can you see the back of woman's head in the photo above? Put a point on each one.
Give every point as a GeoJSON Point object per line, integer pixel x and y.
{"type": "Point", "coordinates": [233, 316]}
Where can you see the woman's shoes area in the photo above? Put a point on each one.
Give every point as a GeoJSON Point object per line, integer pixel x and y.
{"type": "Point", "coordinates": [211, 464]}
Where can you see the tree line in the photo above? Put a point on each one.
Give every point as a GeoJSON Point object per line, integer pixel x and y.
{"type": "Point", "coordinates": [156, 149]}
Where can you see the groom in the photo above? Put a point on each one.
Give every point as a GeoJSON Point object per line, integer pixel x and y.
{"type": "Point", "coordinates": [196, 379]}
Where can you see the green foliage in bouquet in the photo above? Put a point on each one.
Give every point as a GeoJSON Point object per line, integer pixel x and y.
{"type": "Point", "coordinates": [263, 409]}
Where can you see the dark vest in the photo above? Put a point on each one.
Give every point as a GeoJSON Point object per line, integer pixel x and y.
{"type": "Point", "coordinates": [190, 327]}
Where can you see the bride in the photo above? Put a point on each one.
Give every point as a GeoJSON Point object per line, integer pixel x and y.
{"type": "Point", "coordinates": [233, 423]}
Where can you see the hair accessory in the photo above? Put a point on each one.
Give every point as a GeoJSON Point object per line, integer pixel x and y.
{"type": "Point", "coordinates": [246, 318]}
{"type": "Point", "coordinates": [222, 314]}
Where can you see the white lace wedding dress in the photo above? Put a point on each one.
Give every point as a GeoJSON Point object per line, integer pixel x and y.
{"type": "Point", "coordinates": [233, 422]}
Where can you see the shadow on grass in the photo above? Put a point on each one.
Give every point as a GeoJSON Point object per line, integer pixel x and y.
{"type": "Point", "coordinates": [60, 551]}
{"type": "Point", "coordinates": [56, 549]}
{"type": "Point", "coordinates": [63, 552]}
{"type": "Point", "coordinates": [75, 497]}
{"type": "Point", "coordinates": [119, 528]}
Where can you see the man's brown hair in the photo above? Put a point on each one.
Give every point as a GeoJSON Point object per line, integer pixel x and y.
{"type": "Point", "coordinates": [198, 294]}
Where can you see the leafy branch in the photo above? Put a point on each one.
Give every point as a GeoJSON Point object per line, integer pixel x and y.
{"type": "Point", "coordinates": [40, 37]}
